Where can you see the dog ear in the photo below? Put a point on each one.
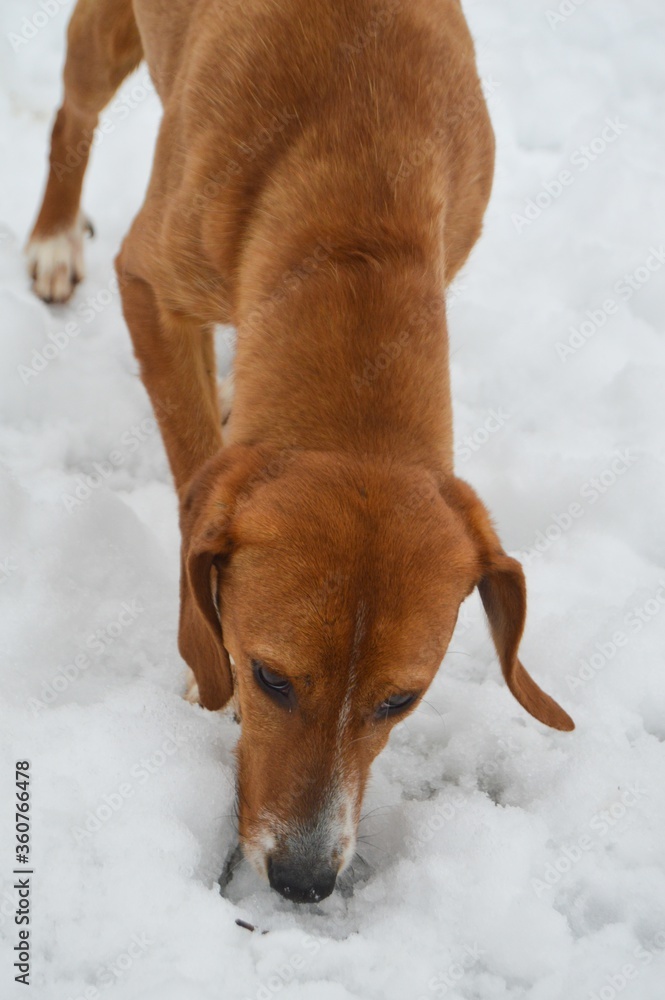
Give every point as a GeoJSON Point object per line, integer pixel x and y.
{"type": "Point", "coordinates": [502, 590]}
{"type": "Point", "coordinates": [206, 520]}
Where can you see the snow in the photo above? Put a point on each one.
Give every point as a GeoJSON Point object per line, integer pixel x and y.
{"type": "Point", "coordinates": [507, 861]}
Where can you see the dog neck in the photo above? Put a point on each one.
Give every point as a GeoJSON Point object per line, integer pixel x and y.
{"type": "Point", "coordinates": [344, 347]}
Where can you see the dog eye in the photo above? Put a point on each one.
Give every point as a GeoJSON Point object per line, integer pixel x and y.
{"type": "Point", "coordinates": [270, 682]}
{"type": "Point", "coordinates": [396, 703]}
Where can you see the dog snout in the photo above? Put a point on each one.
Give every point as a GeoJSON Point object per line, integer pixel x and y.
{"type": "Point", "coordinates": [301, 883]}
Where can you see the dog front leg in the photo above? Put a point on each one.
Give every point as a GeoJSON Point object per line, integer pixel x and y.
{"type": "Point", "coordinates": [103, 46]}
{"type": "Point", "coordinates": [177, 359]}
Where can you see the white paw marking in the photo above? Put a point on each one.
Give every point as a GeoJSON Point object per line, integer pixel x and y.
{"type": "Point", "coordinates": [56, 263]}
{"type": "Point", "coordinates": [192, 694]}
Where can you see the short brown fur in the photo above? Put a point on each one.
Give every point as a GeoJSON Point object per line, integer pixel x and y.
{"type": "Point", "coordinates": [321, 175]}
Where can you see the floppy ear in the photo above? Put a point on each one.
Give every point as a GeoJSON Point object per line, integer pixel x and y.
{"type": "Point", "coordinates": [503, 592]}
{"type": "Point", "coordinates": [206, 520]}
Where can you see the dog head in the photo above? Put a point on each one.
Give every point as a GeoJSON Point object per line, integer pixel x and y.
{"type": "Point", "coordinates": [338, 583]}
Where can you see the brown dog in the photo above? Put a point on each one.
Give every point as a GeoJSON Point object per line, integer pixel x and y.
{"type": "Point", "coordinates": [321, 175]}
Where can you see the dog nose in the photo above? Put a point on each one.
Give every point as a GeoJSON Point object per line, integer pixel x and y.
{"type": "Point", "coordinates": [300, 884]}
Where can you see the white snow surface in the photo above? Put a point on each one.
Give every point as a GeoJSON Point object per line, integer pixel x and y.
{"type": "Point", "coordinates": [507, 860]}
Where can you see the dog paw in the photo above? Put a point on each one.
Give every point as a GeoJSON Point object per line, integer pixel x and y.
{"type": "Point", "coordinates": [192, 694]}
{"type": "Point", "coordinates": [55, 262]}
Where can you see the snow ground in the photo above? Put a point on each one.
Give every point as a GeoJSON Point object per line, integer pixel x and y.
{"type": "Point", "coordinates": [508, 861]}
